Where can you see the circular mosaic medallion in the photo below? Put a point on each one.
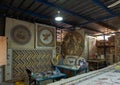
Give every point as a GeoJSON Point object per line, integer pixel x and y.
{"type": "Point", "coordinates": [46, 37]}
{"type": "Point", "coordinates": [73, 44]}
{"type": "Point", "coordinates": [20, 34]}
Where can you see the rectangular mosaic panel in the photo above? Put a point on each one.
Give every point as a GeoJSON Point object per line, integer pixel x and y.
{"type": "Point", "coordinates": [45, 36]}
{"type": "Point", "coordinates": [35, 60]}
{"type": "Point", "coordinates": [20, 34]}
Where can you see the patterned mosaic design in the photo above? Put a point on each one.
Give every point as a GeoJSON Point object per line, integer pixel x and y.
{"type": "Point", "coordinates": [106, 76]}
{"type": "Point", "coordinates": [35, 60]}
{"type": "Point", "coordinates": [45, 36]}
{"type": "Point", "coordinates": [20, 34]}
{"type": "Point", "coordinates": [73, 43]}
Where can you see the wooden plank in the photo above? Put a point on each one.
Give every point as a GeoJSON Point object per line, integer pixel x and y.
{"type": "Point", "coordinates": [3, 50]}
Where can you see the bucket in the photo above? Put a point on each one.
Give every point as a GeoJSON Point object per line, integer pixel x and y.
{"type": "Point", "coordinates": [19, 83]}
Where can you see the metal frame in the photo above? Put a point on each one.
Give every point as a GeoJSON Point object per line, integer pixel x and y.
{"type": "Point", "coordinates": [45, 2]}
{"type": "Point", "coordinates": [63, 9]}
{"type": "Point", "coordinates": [24, 11]}
{"type": "Point", "coordinates": [98, 3]}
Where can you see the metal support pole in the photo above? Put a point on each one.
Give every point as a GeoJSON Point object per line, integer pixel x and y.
{"type": "Point", "coordinates": [105, 64]}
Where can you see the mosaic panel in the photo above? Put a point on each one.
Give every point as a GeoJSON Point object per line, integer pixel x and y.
{"type": "Point", "coordinates": [45, 36]}
{"type": "Point", "coordinates": [20, 34]}
{"type": "Point", "coordinates": [73, 43]}
{"type": "Point", "coordinates": [35, 60]}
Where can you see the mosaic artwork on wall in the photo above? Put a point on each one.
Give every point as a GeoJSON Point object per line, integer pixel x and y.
{"type": "Point", "coordinates": [35, 60]}
{"type": "Point", "coordinates": [45, 36]}
{"type": "Point", "coordinates": [20, 34]}
{"type": "Point", "coordinates": [73, 44]}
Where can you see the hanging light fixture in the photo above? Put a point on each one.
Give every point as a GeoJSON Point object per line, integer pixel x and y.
{"type": "Point", "coordinates": [58, 17]}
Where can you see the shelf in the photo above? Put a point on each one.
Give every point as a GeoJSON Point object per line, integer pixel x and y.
{"type": "Point", "coordinates": [109, 49]}
{"type": "Point", "coordinates": [95, 64]}
{"type": "Point", "coordinates": [105, 46]}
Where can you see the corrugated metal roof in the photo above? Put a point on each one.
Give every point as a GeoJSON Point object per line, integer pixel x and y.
{"type": "Point", "coordinates": [75, 12]}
